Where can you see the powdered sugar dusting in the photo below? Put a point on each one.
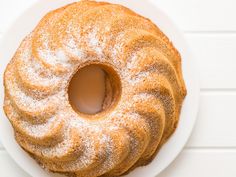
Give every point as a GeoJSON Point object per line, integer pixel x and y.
{"type": "Point", "coordinates": [94, 42]}
{"type": "Point", "coordinates": [38, 100]}
{"type": "Point", "coordinates": [53, 58]}
{"type": "Point", "coordinates": [73, 49]}
{"type": "Point", "coordinates": [61, 56]}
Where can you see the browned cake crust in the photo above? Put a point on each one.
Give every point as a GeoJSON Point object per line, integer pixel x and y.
{"type": "Point", "coordinates": [145, 95]}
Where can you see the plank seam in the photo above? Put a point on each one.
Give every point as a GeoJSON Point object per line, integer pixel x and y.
{"type": "Point", "coordinates": [218, 91]}
{"type": "Point", "coordinates": [209, 148]}
{"type": "Point", "coordinates": [208, 32]}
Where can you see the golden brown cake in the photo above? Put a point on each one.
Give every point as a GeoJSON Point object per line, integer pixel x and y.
{"type": "Point", "coordinates": [142, 107]}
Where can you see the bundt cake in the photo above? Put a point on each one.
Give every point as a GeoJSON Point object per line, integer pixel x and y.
{"type": "Point", "coordinates": [142, 107]}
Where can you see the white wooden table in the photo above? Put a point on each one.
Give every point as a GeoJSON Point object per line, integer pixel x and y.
{"type": "Point", "coordinates": [210, 28]}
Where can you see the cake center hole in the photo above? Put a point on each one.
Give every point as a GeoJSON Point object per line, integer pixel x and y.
{"type": "Point", "coordinates": [93, 89]}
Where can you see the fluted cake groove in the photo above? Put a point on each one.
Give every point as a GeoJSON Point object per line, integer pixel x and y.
{"type": "Point", "coordinates": [145, 110]}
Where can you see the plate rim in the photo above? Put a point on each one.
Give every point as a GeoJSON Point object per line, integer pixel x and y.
{"type": "Point", "coordinates": [187, 52]}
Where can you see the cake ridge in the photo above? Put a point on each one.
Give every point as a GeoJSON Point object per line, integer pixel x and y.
{"type": "Point", "coordinates": [141, 62]}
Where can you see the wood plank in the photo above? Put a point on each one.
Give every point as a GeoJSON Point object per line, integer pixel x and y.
{"type": "Point", "coordinates": [8, 168]}
{"type": "Point", "coordinates": [189, 15]}
{"type": "Point", "coordinates": [201, 15]}
{"type": "Point", "coordinates": [203, 163]}
{"type": "Point", "coordinates": [215, 55]}
{"type": "Point", "coordinates": [194, 163]}
{"type": "Point", "coordinates": [215, 126]}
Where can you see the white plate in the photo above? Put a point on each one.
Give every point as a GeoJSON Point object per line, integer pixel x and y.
{"type": "Point", "coordinates": [28, 20]}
